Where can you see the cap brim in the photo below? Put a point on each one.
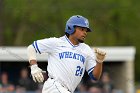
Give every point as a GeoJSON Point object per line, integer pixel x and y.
{"type": "Point", "coordinates": [89, 30]}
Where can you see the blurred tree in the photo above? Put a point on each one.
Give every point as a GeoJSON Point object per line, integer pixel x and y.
{"type": "Point", "coordinates": [1, 25]}
{"type": "Point", "coordinates": [114, 22]}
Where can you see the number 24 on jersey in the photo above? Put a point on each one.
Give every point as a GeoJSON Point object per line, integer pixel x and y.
{"type": "Point", "coordinates": [79, 71]}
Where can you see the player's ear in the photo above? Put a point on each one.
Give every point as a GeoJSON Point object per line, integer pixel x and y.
{"type": "Point", "coordinates": [75, 27]}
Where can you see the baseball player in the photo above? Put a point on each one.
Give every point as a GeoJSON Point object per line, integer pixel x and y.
{"type": "Point", "coordinates": [68, 58]}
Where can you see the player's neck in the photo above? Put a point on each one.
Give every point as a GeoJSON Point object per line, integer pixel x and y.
{"type": "Point", "coordinates": [73, 40]}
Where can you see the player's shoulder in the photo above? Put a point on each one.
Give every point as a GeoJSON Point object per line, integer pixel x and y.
{"type": "Point", "coordinates": [51, 39]}
{"type": "Point", "coordinates": [85, 46]}
{"type": "Point", "coordinates": [56, 40]}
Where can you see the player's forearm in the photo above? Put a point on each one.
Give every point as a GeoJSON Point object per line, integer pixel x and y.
{"type": "Point", "coordinates": [31, 55]}
{"type": "Point", "coordinates": [32, 62]}
{"type": "Point", "coordinates": [97, 71]}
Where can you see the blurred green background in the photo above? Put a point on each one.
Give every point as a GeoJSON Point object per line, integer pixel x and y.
{"type": "Point", "coordinates": [115, 22]}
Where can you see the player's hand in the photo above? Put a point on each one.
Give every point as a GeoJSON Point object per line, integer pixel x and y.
{"type": "Point", "coordinates": [36, 73]}
{"type": "Point", "coordinates": [100, 55]}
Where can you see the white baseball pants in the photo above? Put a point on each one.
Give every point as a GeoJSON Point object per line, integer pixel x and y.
{"type": "Point", "coordinates": [52, 86]}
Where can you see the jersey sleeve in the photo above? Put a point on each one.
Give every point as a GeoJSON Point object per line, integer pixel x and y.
{"type": "Point", "coordinates": [44, 45]}
{"type": "Point", "coordinates": [91, 63]}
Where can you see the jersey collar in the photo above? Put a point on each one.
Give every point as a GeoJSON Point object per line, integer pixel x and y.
{"type": "Point", "coordinates": [70, 42]}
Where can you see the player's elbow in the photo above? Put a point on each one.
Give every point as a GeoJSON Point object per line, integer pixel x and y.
{"type": "Point", "coordinates": [94, 77]}
{"type": "Point", "coordinates": [30, 48]}
{"type": "Point", "coordinates": [31, 53]}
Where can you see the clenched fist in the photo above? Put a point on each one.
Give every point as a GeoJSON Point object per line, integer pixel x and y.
{"type": "Point", "coordinates": [100, 55]}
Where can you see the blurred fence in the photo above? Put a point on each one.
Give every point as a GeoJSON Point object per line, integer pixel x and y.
{"type": "Point", "coordinates": [119, 64]}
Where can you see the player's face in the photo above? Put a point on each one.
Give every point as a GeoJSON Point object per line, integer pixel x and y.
{"type": "Point", "coordinates": [80, 34]}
